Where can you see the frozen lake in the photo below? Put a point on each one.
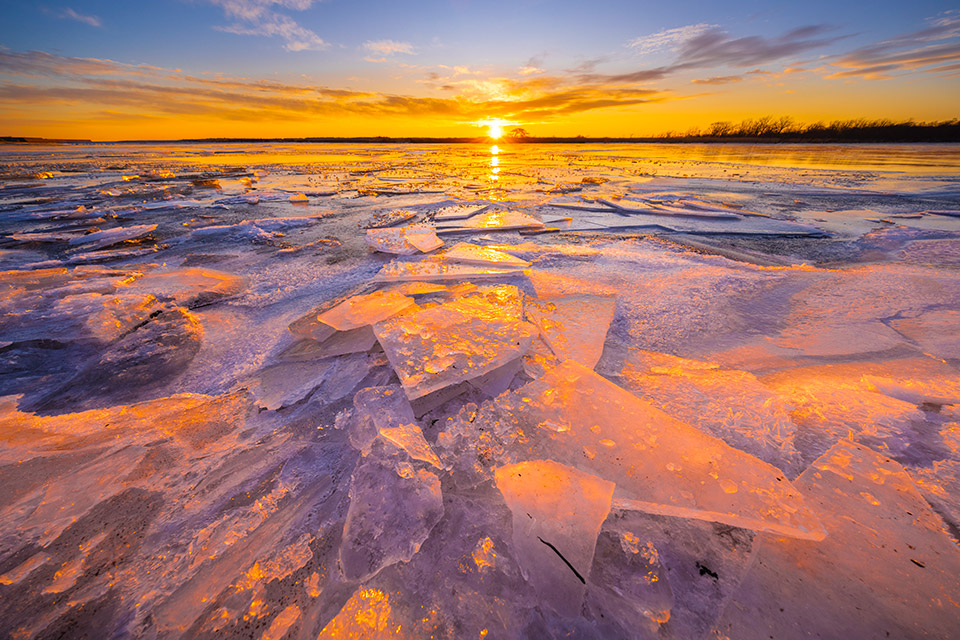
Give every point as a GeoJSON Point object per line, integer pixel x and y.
{"type": "Point", "coordinates": [406, 391]}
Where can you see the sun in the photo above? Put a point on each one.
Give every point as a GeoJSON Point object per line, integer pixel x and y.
{"type": "Point", "coordinates": [495, 127]}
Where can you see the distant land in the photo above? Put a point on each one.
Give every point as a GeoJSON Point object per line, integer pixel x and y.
{"type": "Point", "coordinates": [766, 130]}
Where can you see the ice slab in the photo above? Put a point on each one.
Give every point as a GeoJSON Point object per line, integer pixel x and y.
{"type": "Point", "coordinates": [557, 512]}
{"type": "Point", "coordinates": [188, 287]}
{"type": "Point", "coordinates": [360, 311]}
{"type": "Point", "coordinates": [466, 253]}
{"type": "Point", "coordinates": [107, 317]}
{"type": "Point", "coordinates": [728, 404]}
{"type": "Point", "coordinates": [404, 241]}
{"type": "Point", "coordinates": [628, 578]}
{"type": "Point", "coordinates": [389, 218]}
{"type": "Point", "coordinates": [661, 210]}
{"type": "Point", "coordinates": [935, 332]}
{"type": "Point", "coordinates": [575, 327]}
{"type": "Point", "coordinates": [885, 569]}
{"type": "Point", "coordinates": [433, 347]}
{"type": "Point", "coordinates": [368, 614]}
{"type": "Point", "coordinates": [410, 438]}
{"type": "Point", "coordinates": [495, 221]}
{"type": "Point", "coordinates": [660, 465]}
{"type": "Point", "coordinates": [458, 212]}
{"type": "Point", "coordinates": [100, 239]}
{"type": "Point", "coordinates": [403, 271]}
{"type": "Point", "coordinates": [375, 409]}
{"type": "Point", "coordinates": [392, 509]}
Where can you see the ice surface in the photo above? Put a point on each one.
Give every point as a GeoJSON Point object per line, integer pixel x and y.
{"type": "Point", "coordinates": [352, 313]}
{"type": "Point", "coordinates": [433, 347]}
{"type": "Point", "coordinates": [467, 253]}
{"type": "Point", "coordinates": [188, 287]}
{"type": "Point", "coordinates": [403, 271]}
{"type": "Point", "coordinates": [390, 218]}
{"type": "Point", "coordinates": [496, 221]}
{"type": "Point", "coordinates": [404, 241]}
{"type": "Point", "coordinates": [659, 464]}
{"type": "Point", "coordinates": [392, 510]}
{"type": "Point", "coordinates": [728, 404]}
{"type": "Point", "coordinates": [885, 569]}
{"type": "Point", "coordinates": [458, 212]}
{"type": "Point", "coordinates": [212, 503]}
{"type": "Point", "coordinates": [377, 408]}
{"type": "Point", "coordinates": [575, 327]}
{"type": "Point", "coordinates": [410, 438]}
{"type": "Point", "coordinates": [935, 332]}
{"type": "Point", "coordinates": [557, 513]}
{"type": "Point", "coordinates": [629, 578]}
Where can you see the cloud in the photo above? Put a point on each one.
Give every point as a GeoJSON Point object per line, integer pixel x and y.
{"type": "Point", "coordinates": [388, 47]}
{"type": "Point", "coordinates": [934, 49]}
{"type": "Point", "coordinates": [35, 80]}
{"type": "Point", "coordinates": [258, 18]}
{"type": "Point", "coordinates": [70, 14]}
{"type": "Point", "coordinates": [719, 80]}
{"type": "Point", "coordinates": [669, 39]}
{"type": "Point", "coordinates": [715, 47]}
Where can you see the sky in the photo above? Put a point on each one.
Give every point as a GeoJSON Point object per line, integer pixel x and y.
{"type": "Point", "coordinates": [170, 69]}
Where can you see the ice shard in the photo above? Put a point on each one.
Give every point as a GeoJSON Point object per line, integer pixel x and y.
{"type": "Point", "coordinates": [352, 314]}
{"type": "Point", "coordinates": [885, 569]}
{"type": "Point", "coordinates": [466, 253]}
{"type": "Point", "coordinates": [557, 512]}
{"type": "Point", "coordinates": [436, 346]}
{"type": "Point", "coordinates": [659, 464]}
{"type": "Point", "coordinates": [188, 287]}
{"type": "Point", "coordinates": [575, 327]}
{"type": "Point", "coordinates": [728, 404]}
{"type": "Point", "coordinates": [496, 221]}
{"type": "Point", "coordinates": [402, 271]}
{"type": "Point", "coordinates": [410, 438]}
{"type": "Point", "coordinates": [404, 241]}
{"type": "Point", "coordinates": [459, 211]}
{"type": "Point", "coordinates": [393, 507]}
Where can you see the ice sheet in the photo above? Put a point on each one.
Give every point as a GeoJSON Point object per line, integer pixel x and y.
{"type": "Point", "coordinates": [575, 327]}
{"type": "Point", "coordinates": [885, 567]}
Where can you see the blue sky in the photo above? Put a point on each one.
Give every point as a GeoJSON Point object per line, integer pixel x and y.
{"type": "Point", "coordinates": [514, 57]}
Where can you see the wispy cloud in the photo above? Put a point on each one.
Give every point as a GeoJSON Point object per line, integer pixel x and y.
{"type": "Point", "coordinates": [69, 14]}
{"type": "Point", "coordinates": [388, 47]}
{"type": "Point", "coordinates": [715, 47]}
{"type": "Point", "coordinates": [259, 18]}
{"type": "Point", "coordinates": [934, 49]}
{"type": "Point", "coordinates": [39, 79]}
{"type": "Point", "coordinates": [719, 80]}
{"type": "Point", "coordinates": [668, 39]}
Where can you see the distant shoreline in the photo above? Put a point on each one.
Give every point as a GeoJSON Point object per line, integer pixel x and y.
{"type": "Point", "coordinates": [20, 141]}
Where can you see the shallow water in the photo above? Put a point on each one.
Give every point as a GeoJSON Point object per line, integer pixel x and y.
{"type": "Point", "coordinates": [224, 414]}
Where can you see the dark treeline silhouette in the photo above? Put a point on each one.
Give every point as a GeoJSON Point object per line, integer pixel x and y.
{"type": "Point", "coordinates": [760, 130]}
{"type": "Point", "coordinates": [784, 129]}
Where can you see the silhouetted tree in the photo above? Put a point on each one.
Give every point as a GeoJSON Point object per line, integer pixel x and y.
{"type": "Point", "coordinates": [518, 133]}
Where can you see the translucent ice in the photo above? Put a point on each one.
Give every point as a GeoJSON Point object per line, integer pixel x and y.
{"type": "Point", "coordinates": [934, 331]}
{"type": "Point", "coordinates": [401, 271]}
{"type": "Point", "coordinates": [188, 287]}
{"type": "Point", "coordinates": [557, 513]}
{"type": "Point", "coordinates": [575, 327]}
{"type": "Point", "coordinates": [659, 464]}
{"type": "Point", "coordinates": [392, 510]}
{"type": "Point", "coordinates": [499, 220]}
{"type": "Point", "coordinates": [435, 346]}
{"type": "Point", "coordinates": [375, 409]}
{"type": "Point", "coordinates": [404, 241]}
{"type": "Point", "coordinates": [353, 313]}
{"type": "Point", "coordinates": [467, 253]}
{"type": "Point", "coordinates": [731, 405]}
{"type": "Point", "coordinates": [458, 212]}
{"type": "Point", "coordinates": [885, 569]}
{"type": "Point", "coordinates": [410, 438]}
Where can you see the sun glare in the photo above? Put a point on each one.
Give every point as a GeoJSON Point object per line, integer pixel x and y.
{"type": "Point", "coordinates": [494, 131]}
{"type": "Point", "coordinates": [495, 127]}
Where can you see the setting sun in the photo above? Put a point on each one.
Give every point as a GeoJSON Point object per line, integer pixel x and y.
{"type": "Point", "coordinates": [494, 131]}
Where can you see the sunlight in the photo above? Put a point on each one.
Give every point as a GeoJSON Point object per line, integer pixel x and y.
{"type": "Point", "coordinates": [495, 127]}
